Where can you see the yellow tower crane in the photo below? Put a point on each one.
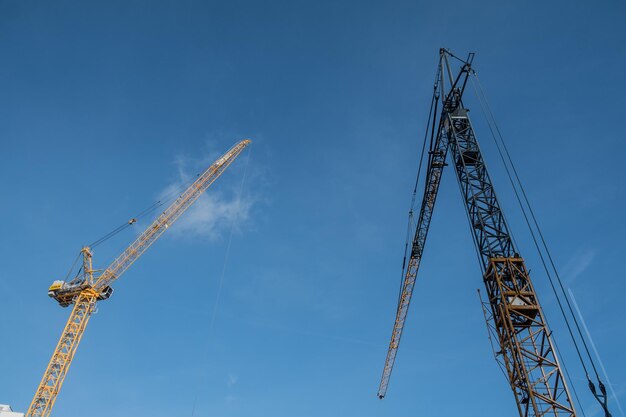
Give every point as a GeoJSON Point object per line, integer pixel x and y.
{"type": "Point", "coordinates": [84, 293]}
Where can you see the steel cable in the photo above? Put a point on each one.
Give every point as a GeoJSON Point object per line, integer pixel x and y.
{"type": "Point", "coordinates": [433, 107]}
{"type": "Point", "coordinates": [223, 273]}
{"type": "Point", "coordinates": [540, 248]}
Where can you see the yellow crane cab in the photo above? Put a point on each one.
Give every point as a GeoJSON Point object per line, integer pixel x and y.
{"type": "Point", "coordinates": [64, 292]}
{"type": "Point", "coordinates": [56, 286]}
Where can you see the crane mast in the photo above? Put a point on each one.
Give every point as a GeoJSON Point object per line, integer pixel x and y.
{"type": "Point", "coordinates": [86, 291]}
{"type": "Point", "coordinates": [526, 349]}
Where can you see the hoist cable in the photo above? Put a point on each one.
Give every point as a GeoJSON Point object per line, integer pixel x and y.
{"type": "Point", "coordinates": [230, 239]}
{"type": "Point", "coordinates": [72, 268]}
{"type": "Point", "coordinates": [223, 274]}
{"type": "Point", "coordinates": [567, 375]}
{"type": "Point", "coordinates": [602, 399]}
{"type": "Point", "coordinates": [433, 102]}
{"type": "Point", "coordinates": [433, 107]}
{"type": "Point", "coordinates": [534, 238]}
{"type": "Point", "coordinates": [543, 263]}
{"type": "Point", "coordinates": [170, 196]}
{"type": "Point", "coordinates": [532, 214]}
{"type": "Point", "coordinates": [406, 248]}
{"type": "Point", "coordinates": [109, 235]}
{"type": "Point", "coordinates": [489, 331]}
{"type": "Point", "coordinates": [449, 53]}
{"type": "Point", "coordinates": [595, 350]}
{"type": "Point", "coordinates": [150, 209]}
{"type": "Point", "coordinates": [193, 408]}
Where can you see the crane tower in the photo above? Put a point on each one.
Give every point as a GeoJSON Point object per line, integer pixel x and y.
{"type": "Point", "coordinates": [527, 351]}
{"type": "Point", "coordinates": [87, 289]}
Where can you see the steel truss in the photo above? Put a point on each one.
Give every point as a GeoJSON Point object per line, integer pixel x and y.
{"type": "Point", "coordinates": [88, 290]}
{"type": "Point", "coordinates": [526, 350]}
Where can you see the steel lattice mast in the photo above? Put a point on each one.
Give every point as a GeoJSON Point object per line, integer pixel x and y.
{"type": "Point", "coordinates": [85, 293]}
{"type": "Point", "coordinates": [526, 349]}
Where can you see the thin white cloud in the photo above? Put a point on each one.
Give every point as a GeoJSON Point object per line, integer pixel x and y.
{"type": "Point", "coordinates": [232, 380]}
{"type": "Point", "coordinates": [212, 214]}
{"type": "Point", "coordinates": [216, 210]}
{"type": "Point", "coordinates": [579, 264]}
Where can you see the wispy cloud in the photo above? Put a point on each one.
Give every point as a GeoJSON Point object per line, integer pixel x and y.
{"type": "Point", "coordinates": [232, 379]}
{"type": "Point", "coordinates": [230, 399]}
{"type": "Point", "coordinates": [225, 205]}
{"type": "Point", "coordinates": [577, 265]}
{"type": "Point", "coordinates": [213, 213]}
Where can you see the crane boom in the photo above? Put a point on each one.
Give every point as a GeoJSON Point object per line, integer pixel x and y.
{"type": "Point", "coordinates": [85, 293]}
{"type": "Point", "coordinates": [436, 162]}
{"type": "Point", "coordinates": [182, 203]}
{"type": "Point", "coordinates": [526, 349]}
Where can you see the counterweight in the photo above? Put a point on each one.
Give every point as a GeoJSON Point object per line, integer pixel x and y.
{"type": "Point", "coordinates": [526, 348]}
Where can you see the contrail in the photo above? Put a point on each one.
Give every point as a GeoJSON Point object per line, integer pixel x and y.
{"type": "Point", "coordinates": [593, 346]}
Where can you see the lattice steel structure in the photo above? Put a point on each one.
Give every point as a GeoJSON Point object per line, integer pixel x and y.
{"type": "Point", "coordinates": [86, 291]}
{"type": "Point", "coordinates": [526, 350]}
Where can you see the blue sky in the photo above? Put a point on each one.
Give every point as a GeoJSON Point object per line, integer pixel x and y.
{"type": "Point", "coordinates": [104, 106]}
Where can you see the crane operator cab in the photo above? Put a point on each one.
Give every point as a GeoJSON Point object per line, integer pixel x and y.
{"type": "Point", "coordinates": [56, 285]}
{"type": "Point", "coordinates": [65, 292]}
